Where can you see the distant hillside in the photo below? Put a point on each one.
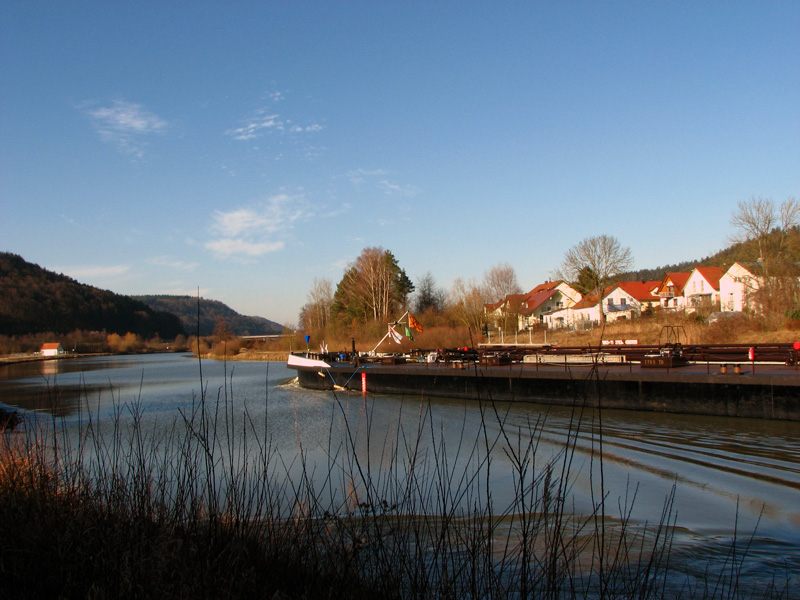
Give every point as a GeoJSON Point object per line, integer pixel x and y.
{"type": "Point", "coordinates": [185, 307]}
{"type": "Point", "coordinates": [738, 252]}
{"type": "Point", "coordinates": [35, 300]}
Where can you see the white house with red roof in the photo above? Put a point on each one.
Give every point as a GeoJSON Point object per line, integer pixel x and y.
{"type": "Point", "coordinates": [670, 291]}
{"type": "Point", "coordinates": [544, 299]}
{"type": "Point", "coordinates": [582, 315]}
{"type": "Point", "coordinates": [628, 299]}
{"type": "Point", "coordinates": [51, 349]}
{"type": "Point", "coordinates": [739, 285]}
{"type": "Point", "coordinates": [530, 308]}
{"type": "Point", "coordinates": [702, 287]}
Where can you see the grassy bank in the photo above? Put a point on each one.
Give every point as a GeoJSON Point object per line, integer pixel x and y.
{"type": "Point", "coordinates": [648, 329]}
{"type": "Point", "coordinates": [206, 509]}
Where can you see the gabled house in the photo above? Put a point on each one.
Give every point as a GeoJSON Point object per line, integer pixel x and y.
{"type": "Point", "coordinates": [740, 283]}
{"type": "Point", "coordinates": [544, 299]}
{"type": "Point", "coordinates": [583, 314]}
{"type": "Point", "coordinates": [702, 287]}
{"type": "Point", "coordinates": [670, 291]}
{"type": "Point", "coordinates": [737, 285]}
{"type": "Point", "coordinates": [628, 299]}
{"type": "Point", "coordinates": [51, 349]}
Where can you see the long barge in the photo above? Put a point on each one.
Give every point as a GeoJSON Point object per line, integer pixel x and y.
{"type": "Point", "coordinates": [726, 380]}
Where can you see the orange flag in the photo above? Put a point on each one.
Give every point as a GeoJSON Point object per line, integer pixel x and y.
{"type": "Point", "coordinates": [412, 322]}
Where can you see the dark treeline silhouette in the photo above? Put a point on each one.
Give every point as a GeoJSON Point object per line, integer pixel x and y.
{"type": "Point", "coordinates": [35, 300]}
{"type": "Point", "coordinates": [211, 312]}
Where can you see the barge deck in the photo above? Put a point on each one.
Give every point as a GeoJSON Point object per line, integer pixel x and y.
{"type": "Point", "coordinates": [762, 387]}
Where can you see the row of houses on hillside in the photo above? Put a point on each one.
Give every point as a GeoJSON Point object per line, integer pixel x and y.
{"type": "Point", "coordinates": [557, 304]}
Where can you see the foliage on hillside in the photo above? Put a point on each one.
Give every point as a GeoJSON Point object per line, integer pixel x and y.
{"type": "Point", "coordinates": [736, 252]}
{"type": "Point", "coordinates": [211, 312]}
{"type": "Point", "coordinates": [36, 300]}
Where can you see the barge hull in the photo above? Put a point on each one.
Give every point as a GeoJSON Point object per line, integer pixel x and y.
{"type": "Point", "coordinates": [761, 396]}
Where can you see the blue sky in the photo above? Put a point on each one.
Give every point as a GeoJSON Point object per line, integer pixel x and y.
{"type": "Point", "coordinates": [245, 148]}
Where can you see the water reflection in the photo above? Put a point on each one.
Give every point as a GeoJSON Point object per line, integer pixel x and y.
{"type": "Point", "coordinates": [730, 475]}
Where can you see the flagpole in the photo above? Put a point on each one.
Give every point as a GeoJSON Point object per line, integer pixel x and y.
{"type": "Point", "coordinates": [382, 339]}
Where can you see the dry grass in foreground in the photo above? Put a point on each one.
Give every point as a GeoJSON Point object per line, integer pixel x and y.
{"type": "Point", "coordinates": [205, 508]}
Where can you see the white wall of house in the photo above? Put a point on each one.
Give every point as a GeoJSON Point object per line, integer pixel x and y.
{"type": "Point", "coordinates": [619, 304]}
{"type": "Point", "coordinates": [587, 314]}
{"type": "Point", "coordinates": [676, 302]}
{"type": "Point", "coordinates": [735, 286]}
{"type": "Point", "coordinates": [562, 298]}
{"type": "Point", "coordinates": [573, 318]}
{"type": "Point", "coordinates": [698, 290]}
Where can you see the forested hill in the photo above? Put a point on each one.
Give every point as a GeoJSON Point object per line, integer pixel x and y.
{"type": "Point", "coordinates": [210, 312]}
{"type": "Point", "coordinates": [737, 252]}
{"type": "Point", "coordinates": [35, 300]}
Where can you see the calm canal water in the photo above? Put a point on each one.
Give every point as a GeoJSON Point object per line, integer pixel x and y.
{"type": "Point", "coordinates": [729, 475]}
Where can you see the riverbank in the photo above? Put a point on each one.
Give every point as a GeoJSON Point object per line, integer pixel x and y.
{"type": "Point", "coordinates": [14, 359]}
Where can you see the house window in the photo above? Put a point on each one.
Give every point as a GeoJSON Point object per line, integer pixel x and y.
{"type": "Point", "coordinates": [624, 301]}
{"type": "Point", "coordinates": [610, 302]}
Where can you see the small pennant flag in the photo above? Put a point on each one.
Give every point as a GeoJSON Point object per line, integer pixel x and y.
{"type": "Point", "coordinates": [412, 322]}
{"type": "Point", "coordinates": [408, 334]}
{"type": "Point", "coordinates": [395, 336]}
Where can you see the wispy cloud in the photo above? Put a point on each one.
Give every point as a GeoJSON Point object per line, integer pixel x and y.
{"type": "Point", "coordinates": [126, 125]}
{"type": "Point", "coordinates": [394, 189]}
{"type": "Point", "coordinates": [226, 247]}
{"type": "Point", "coordinates": [255, 231]}
{"type": "Point", "coordinates": [255, 126]}
{"type": "Point", "coordinates": [266, 120]}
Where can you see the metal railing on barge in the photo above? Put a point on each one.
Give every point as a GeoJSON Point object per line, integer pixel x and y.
{"type": "Point", "coordinates": [498, 355]}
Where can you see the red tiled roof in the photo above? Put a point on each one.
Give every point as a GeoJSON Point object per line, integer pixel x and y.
{"type": "Point", "coordinates": [534, 301]}
{"type": "Point", "coordinates": [712, 275]}
{"type": "Point", "coordinates": [678, 281]}
{"type": "Point", "coordinates": [640, 290]}
{"type": "Point", "coordinates": [50, 346]}
{"type": "Point", "coordinates": [587, 301]}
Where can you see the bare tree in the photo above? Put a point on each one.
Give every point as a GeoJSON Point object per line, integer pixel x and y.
{"type": "Point", "coordinates": [758, 219]}
{"type": "Point", "coordinates": [467, 300]}
{"type": "Point", "coordinates": [501, 281]}
{"type": "Point", "coordinates": [596, 260]}
{"type": "Point", "coordinates": [317, 310]}
{"type": "Point", "coordinates": [777, 292]}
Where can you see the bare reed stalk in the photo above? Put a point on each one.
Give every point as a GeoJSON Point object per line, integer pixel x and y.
{"type": "Point", "coordinates": [210, 507]}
